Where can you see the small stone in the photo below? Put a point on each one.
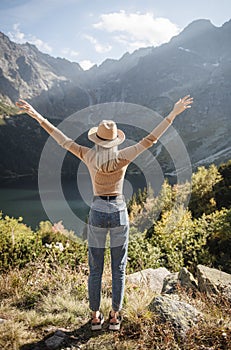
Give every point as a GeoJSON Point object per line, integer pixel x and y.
{"type": "Point", "coordinates": [2, 320]}
{"type": "Point", "coordinates": [60, 333]}
{"type": "Point", "coordinates": [54, 342]}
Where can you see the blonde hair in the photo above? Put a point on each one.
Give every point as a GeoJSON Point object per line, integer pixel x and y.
{"type": "Point", "coordinates": [106, 158]}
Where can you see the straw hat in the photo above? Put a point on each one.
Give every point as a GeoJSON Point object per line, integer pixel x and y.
{"type": "Point", "coordinates": [106, 134]}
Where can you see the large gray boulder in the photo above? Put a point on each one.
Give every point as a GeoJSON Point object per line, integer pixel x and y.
{"type": "Point", "coordinates": [151, 278]}
{"type": "Point", "coordinates": [182, 315]}
{"type": "Point", "coordinates": [213, 281]}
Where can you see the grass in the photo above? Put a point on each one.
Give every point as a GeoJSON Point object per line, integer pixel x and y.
{"type": "Point", "coordinates": [39, 299]}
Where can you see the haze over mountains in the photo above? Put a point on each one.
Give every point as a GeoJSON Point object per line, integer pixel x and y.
{"type": "Point", "coordinates": [197, 61]}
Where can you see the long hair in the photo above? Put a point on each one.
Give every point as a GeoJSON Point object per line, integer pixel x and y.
{"type": "Point", "coordinates": [106, 158]}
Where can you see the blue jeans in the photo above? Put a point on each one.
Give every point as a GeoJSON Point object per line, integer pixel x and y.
{"type": "Point", "coordinates": [107, 216]}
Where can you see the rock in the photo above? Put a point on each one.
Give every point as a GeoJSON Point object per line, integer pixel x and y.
{"type": "Point", "coordinates": [151, 278]}
{"type": "Point", "coordinates": [2, 320]}
{"type": "Point", "coordinates": [187, 279]}
{"type": "Point", "coordinates": [179, 279]}
{"type": "Point", "coordinates": [60, 333]}
{"type": "Point", "coordinates": [56, 340]}
{"type": "Point", "coordinates": [180, 314]}
{"type": "Point", "coordinates": [213, 281]}
{"type": "Point", "coordinates": [170, 283]}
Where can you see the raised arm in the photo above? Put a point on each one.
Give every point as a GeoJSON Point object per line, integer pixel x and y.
{"type": "Point", "coordinates": [56, 134]}
{"type": "Point", "coordinates": [130, 153]}
{"type": "Point", "coordinates": [179, 107]}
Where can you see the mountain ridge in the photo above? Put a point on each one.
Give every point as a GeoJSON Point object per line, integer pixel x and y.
{"type": "Point", "coordinates": [197, 61]}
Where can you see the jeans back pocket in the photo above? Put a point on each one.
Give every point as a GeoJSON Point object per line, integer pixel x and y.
{"type": "Point", "coordinates": [98, 218]}
{"type": "Point", "coordinates": [118, 218]}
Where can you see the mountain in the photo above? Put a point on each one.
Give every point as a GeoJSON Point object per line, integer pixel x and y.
{"type": "Point", "coordinates": [28, 73]}
{"type": "Point", "coordinates": [197, 61]}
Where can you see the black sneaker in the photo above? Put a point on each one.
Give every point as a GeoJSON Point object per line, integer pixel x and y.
{"type": "Point", "coordinates": [97, 326]}
{"type": "Point", "coordinates": [115, 326]}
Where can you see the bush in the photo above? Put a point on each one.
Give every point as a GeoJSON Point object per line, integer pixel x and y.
{"type": "Point", "coordinates": [18, 244]}
{"type": "Point", "coordinates": [184, 241]}
{"type": "Point", "coordinates": [54, 244]}
{"type": "Point", "coordinates": [169, 234]}
{"type": "Point", "coordinates": [185, 237]}
{"type": "Point", "coordinates": [223, 188]}
{"type": "Point", "coordinates": [219, 239]}
{"type": "Point", "coordinates": [144, 217]}
{"type": "Point", "coordinates": [142, 254]}
{"type": "Point", "coordinates": [203, 196]}
{"type": "Point", "coordinates": [62, 247]}
{"type": "Point", "coordinates": [181, 240]}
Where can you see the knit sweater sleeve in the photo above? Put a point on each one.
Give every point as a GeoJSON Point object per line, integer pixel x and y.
{"type": "Point", "coordinates": [128, 154]}
{"type": "Point", "coordinates": [64, 141]}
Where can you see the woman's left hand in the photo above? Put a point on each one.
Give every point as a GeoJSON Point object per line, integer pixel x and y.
{"type": "Point", "coordinates": [181, 105]}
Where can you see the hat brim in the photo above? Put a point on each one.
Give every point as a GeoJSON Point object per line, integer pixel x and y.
{"type": "Point", "coordinates": [92, 135]}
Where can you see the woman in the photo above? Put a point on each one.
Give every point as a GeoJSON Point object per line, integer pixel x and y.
{"type": "Point", "coordinates": [107, 166]}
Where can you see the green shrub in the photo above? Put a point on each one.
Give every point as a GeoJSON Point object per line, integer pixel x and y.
{"type": "Point", "coordinates": [61, 246]}
{"type": "Point", "coordinates": [184, 241]}
{"type": "Point", "coordinates": [181, 240]}
{"type": "Point", "coordinates": [169, 234]}
{"type": "Point", "coordinates": [223, 188]}
{"type": "Point", "coordinates": [185, 237]}
{"type": "Point", "coordinates": [163, 232]}
{"type": "Point", "coordinates": [142, 254]}
{"type": "Point", "coordinates": [219, 239]}
{"type": "Point", "coordinates": [54, 244]}
{"type": "Point", "coordinates": [203, 196]}
{"type": "Point", "coordinates": [144, 217]}
{"type": "Point", "coordinates": [18, 244]}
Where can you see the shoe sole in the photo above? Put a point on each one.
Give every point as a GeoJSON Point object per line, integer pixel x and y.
{"type": "Point", "coordinates": [97, 327]}
{"type": "Point", "coordinates": [114, 327]}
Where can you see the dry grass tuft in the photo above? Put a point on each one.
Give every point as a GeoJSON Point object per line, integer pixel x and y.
{"type": "Point", "coordinates": [15, 334]}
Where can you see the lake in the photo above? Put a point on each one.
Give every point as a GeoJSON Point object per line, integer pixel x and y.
{"type": "Point", "coordinates": [26, 199]}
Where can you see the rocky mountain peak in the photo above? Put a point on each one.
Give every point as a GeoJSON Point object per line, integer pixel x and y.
{"type": "Point", "coordinates": [204, 39]}
{"type": "Point", "coordinates": [199, 25]}
{"type": "Point", "coordinates": [26, 72]}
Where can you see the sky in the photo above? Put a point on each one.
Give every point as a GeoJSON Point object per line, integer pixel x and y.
{"type": "Point", "coordinates": [90, 31]}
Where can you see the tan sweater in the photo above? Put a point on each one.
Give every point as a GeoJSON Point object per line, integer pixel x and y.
{"type": "Point", "coordinates": [105, 183]}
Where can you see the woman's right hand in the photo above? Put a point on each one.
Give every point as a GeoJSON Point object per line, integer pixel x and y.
{"type": "Point", "coordinates": [27, 108]}
{"type": "Point", "coordinates": [181, 105]}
